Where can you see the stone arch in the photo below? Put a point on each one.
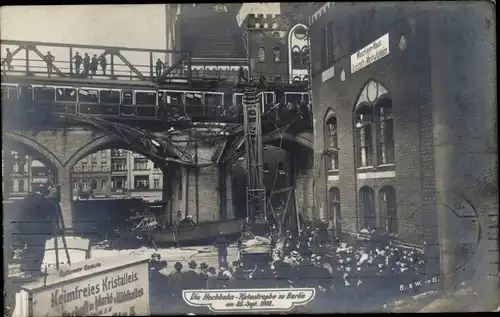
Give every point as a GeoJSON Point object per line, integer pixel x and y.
{"type": "Point", "coordinates": [41, 152]}
{"type": "Point", "coordinates": [106, 142]}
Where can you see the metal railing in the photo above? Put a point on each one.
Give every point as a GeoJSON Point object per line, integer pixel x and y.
{"type": "Point", "coordinates": [119, 62]}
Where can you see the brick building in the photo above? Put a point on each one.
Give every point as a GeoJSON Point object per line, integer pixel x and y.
{"type": "Point", "coordinates": [387, 84]}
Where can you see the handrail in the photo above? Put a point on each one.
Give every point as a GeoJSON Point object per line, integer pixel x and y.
{"type": "Point", "coordinates": [101, 47]}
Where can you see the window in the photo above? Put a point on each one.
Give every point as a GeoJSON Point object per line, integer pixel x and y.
{"type": "Point", "coordinates": [141, 182]}
{"type": "Point", "coordinates": [331, 144]}
{"type": "Point", "coordinates": [305, 56]}
{"type": "Point", "coordinates": [141, 164]}
{"type": "Point", "coordinates": [76, 186]}
{"type": "Point", "coordinates": [374, 106]}
{"type": "Point", "coordinates": [367, 208]}
{"type": "Point", "coordinates": [85, 184]}
{"type": "Point", "coordinates": [385, 132]}
{"type": "Point", "coordinates": [389, 209]}
{"type": "Point", "coordinates": [364, 137]}
{"type": "Point", "coordinates": [119, 166]}
{"type": "Point", "coordinates": [104, 166]}
{"type": "Point", "coordinates": [104, 154]}
{"type": "Point", "coordinates": [156, 183]}
{"type": "Point", "coordinates": [266, 167]}
{"type": "Point", "coordinates": [21, 186]}
{"type": "Point", "coordinates": [104, 183]}
{"type": "Point", "coordinates": [15, 185]}
{"type": "Point", "coordinates": [145, 98]}
{"type": "Point", "coordinates": [110, 96]}
{"type": "Point", "coordinates": [334, 207]}
{"type": "Point", "coordinates": [324, 48]}
{"type": "Point", "coordinates": [93, 184]}
{"type": "Point", "coordinates": [262, 55]}
{"type": "Point", "coordinates": [85, 166]}
{"type": "Point", "coordinates": [274, 25]}
{"type": "Point", "coordinates": [296, 58]}
{"type": "Point", "coordinates": [94, 167]}
{"type": "Point", "coordinates": [118, 182]}
{"type": "Point", "coordinates": [300, 33]}
{"type": "Point", "coordinates": [329, 44]}
{"type": "Point", "coordinates": [276, 55]}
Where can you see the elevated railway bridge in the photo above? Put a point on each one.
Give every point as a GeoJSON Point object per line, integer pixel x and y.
{"type": "Point", "coordinates": [190, 126]}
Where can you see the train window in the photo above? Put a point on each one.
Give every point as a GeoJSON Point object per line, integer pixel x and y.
{"type": "Point", "coordinates": [127, 97]}
{"type": "Point", "coordinates": [145, 98]}
{"type": "Point", "coordinates": [66, 94]}
{"type": "Point", "coordinates": [26, 92]}
{"type": "Point", "coordinates": [109, 96]}
{"type": "Point", "coordinates": [44, 94]}
{"type": "Point", "coordinates": [268, 98]}
{"type": "Point", "coordinates": [88, 95]}
{"type": "Point", "coordinates": [173, 97]}
{"type": "Point", "coordinates": [238, 99]}
{"type": "Point", "coordinates": [294, 98]}
{"type": "Point", "coordinates": [213, 99]}
{"type": "Point", "coordinates": [306, 98]}
{"type": "Point", "coordinates": [194, 98]}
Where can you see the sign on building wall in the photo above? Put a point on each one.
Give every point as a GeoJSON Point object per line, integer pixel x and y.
{"type": "Point", "coordinates": [370, 53]}
{"type": "Point", "coordinates": [93, 288]}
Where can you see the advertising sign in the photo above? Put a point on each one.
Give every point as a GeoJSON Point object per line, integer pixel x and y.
{"type": "Point", "coordinates": [370, 53]}
{"type": "Point", "coordinates": [104, 287]}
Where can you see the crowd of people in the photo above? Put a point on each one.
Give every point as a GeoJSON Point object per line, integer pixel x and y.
{"type": "Point", "coordinates": [343, 272]}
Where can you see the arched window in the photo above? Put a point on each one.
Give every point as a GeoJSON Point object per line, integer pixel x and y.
{"type": "Point", "coordinates": [363, 128]}
{"type": "Point", "coordinates": [385, 138]}
{"type": "Point", "coordinates": [262, 55]}
{"type": "Point", "coordinates": [331, 143]}
{"type": "Point", "coordinates": [305, 56]}
{"type": "Point", "coordinates": [276, 55]}
{"type": "Point", "coordinates": [296, 79]}
{"type": "Point", "coordinates": [389, 209]}
{"type": "Point", "coordinates": [296, 58]}
{"type": "Point", "coordinates": [367, 208]}
{"type": "Point", "coordinates": [334, 208]}
{"type": "Point", "coordinates": [257, 25]}
{"type": "Point", "coordinates": [374, 106]}
{"type": "Point", "coordinates": [275, 25]}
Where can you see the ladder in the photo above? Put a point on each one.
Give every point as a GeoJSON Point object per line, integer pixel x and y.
{"type": "Point", "coordinates": [255, 190]}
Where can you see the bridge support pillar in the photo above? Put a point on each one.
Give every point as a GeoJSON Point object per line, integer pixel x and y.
{"type": "Point", "coordinates": [65, 196]}
{"type": "Point", "coordinates": [167, 193]}
{"type": "Point", "coordinates": [225, 193]}
{"type": "Point", "coordinates": [229, 193]}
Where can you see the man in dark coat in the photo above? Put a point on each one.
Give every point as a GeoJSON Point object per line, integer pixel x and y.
{"type": "Point", "coordinates": [221, 243]}
{"type": "Point", "coordinates": [175, 283]}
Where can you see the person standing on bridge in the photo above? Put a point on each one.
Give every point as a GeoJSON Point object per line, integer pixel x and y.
{"type": "Point", "coordinates": [78, 62]}
{"type": "Point", "coordinates": [86, 64]}
{"type": "Point", "coordinates": [93, 65]}
{"type": "Point", "coordinates": [104, 63]}
{"type": "Point", "coordinates": [8, 60]}
{"type": "Point", "coordinates": [159, 67]}
{"type": "Point", "coordinates": [49, 59]}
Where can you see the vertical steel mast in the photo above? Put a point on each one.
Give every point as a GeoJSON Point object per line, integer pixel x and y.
{"type": "Point", "coordinates": [256, 193]}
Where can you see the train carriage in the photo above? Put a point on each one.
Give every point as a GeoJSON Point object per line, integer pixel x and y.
{"type": "Point", "coordinates": [143, 104]}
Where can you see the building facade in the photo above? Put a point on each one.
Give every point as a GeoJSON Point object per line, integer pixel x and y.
{"type": "Point", "coordinates": [385, 96]}
{"type": "Point", "coordinates": [105, 174]}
